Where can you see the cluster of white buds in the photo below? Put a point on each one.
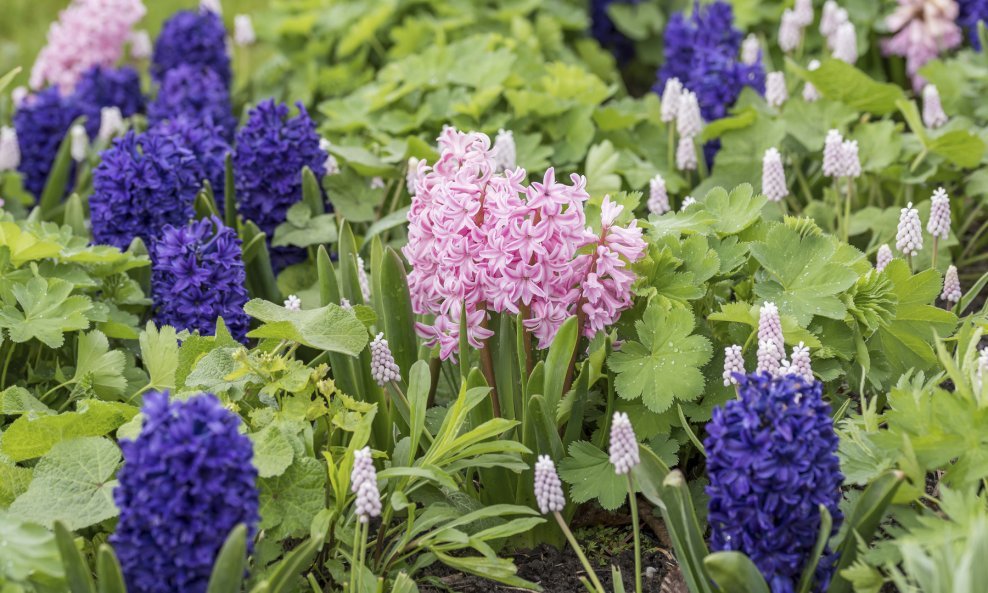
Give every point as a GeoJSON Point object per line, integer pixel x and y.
{"type": "Point", "coordinates": [670, 100]}
{"type": "Point", "coordinates": [933, 113]}
{"type": "Point", "coordinates": [939, 223]}
{"type": "Point", "coordinates": [751, 49]}
{"type": "Point", "coordinates": [362, 279]}
{"type": "Point", "coordinates": [293, 303]}
{"type": "Point", "coordinates": [776, 92]}
{"type": "Point", "coordinates": [773, 176]}
{"type": "Point", "coordinates": [331, 165]}
{"type": "Point", "coordinates": [10, 149]}
{"type": "Point", "coordinates": [658, 197]}
{"type": "Point", "coordinates": [79, 143]}
{"type": "Point", "coordinates": [111, 124]}
{"type": "Point", "coordinates": [909, 234]}
{"type": "Point", "coordinates": [840, 157]}
{"type": "Point", "coordinates": [733, 364]}
{"type": "Point", "coordinates": [799, 363]}
{"type": "Point", "coordinates": [548, 488]}
{"type": "Point", "coordinates": [243, 30]}
{"type": "Point", "coordinates": [884, 257]}
{"type": "Point", "coordinates": [951, 286]}
{"type": "Point", "coordinates": [810, 92]}
{"type": "Point", "coordinates": [140, 45]}
{"type": "Point", "coordinates": [687, 202]}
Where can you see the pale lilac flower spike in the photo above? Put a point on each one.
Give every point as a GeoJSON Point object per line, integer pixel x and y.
{"type": "Point", "coordinates": [686, 154]}
{"type": "Point", "coordinates": [769, 358]}
{"type": "Point", "coordinates": [831, 18]}
{"type": "Point", "coordinates": [933, 113]}
{"type": "Point", "coordinates": [365, 291]}
{"type": "Point", "coordinates": [733, 364]}
{"type": "Point", "coordinates": [951, 286]}
{"type": "Point", "coordinates": [751, 49]}
{"type": "Point", "coordinates": [803, 10]}
{"type": "Point", "coordinates": [548, 488]}
{"type": "Point", "coordinates": [10, 149]}
{"type": "Point", "coordinates": [18, 95]}
{"type": "Point", "coordinates": [846, 43]}
{"type": "Point", "coordinates": [884, 257]}
{"type": "Point", "coordinates": [770, 327]}
{"type": "Point", "coordinates": [140, 45]}
{"type": "Point", "coordinates": [810, 93]}
{"type": "Point", "coordinates": [939, 223]}
{"type": "Point", "coordinates": [775, 89]}
{"type": "Point", "coordinates": [363, 483]}
{"type": "Point", "coordinates": [790, 33]}
{"type": "Point", "coordinates": [850, 162]}
{"type": "Point", "coordinates": [689, 122]}
{"type": "Point", "coordinates": [80, 143]}
{"type": "Point", "coordinates": [909, 235]}
{"type": "Point", "coordinates": [211, 6]}
{"type": "Point", "coordinates": [773, 176]}
{"type": "Point", "coordinates": [243, 30]}
{"type": "Point", "coordinates": [110, 123]}
{"type": "Point", "coordinates": [503, 151]}
{"type": "Point", "coordinates": [293, 303]}
{"type": "Point", "coordinates": [670, 100]}
{"type": "Point", "coordinates": [658, 197]}
{"type": "Point", "coordinates": [412, 175]}
{"type": "Point", "coordinates": [384, 370]}
{"type": "Point", "coordinates": [332, 166]}
{"type": "Point", "coordinates": [799, 363]}
{"type": "Point", "coordinates": [832, 153]}
{"type": "Point", "coordinates": [624, 444]}
{"type": "Point", "coordinates": [687, 202]}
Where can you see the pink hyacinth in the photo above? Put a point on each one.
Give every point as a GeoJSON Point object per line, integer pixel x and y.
{"type": "Point", "coordinates": [88, 33]}
{"type": "Point", "coordinates": [933, 113]}
{"type": "Point", "coordinates": [484, 241]}
{"type": "Point", "coordinates": [623, 450]}
{"type": "Point", "coordinates": [733, 364]}
{"type": "Point", "coordinates": [810, 92]}
{"type": "Point", "coordinates": [658, 197]}
{"type": "Point", "coordinates": [951, 286]}
{"type": "Point", "coordinates": [773, 176]}
{"type": "Point", "coordinates": [909, 234]}
{"type": "Point", "coordinates": [833, 164]}
{"type": "Point", "coordinates": [775, 89]}
{"type": "Point", "coordinates": [939, 223]}
{"type": "Point", "coordinates": [884, 257]}
{"type": "Point", "coordinates": [686, 154]}
{"type": "Point", "coordinates": [670, 100]}
{"type": "Point", "coordinates": [922, 30]}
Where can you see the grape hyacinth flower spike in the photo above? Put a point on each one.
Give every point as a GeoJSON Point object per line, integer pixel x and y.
{"type": "Point", "coordinates": [363, 483]}
{"type": "Point", "coordinates": [243, 30]}
{"type": "Point", "coordinates": [79, 143]}
{"type": "Point", "coordinates": [10, 150]}
{"type": "Point", "coordinates": [909, 234]}
{"type": "Point", "coordinates": [799, 363]}
{"type": "Point", "coordinates": [624, 456]}
{"type": "Point", "coordinates": [504, 151]}
{"type": "Point", "coordinates": [951, 287]}
{"type": "Point", "coordinates": [384, 369]}
{"type": "Point", "coordinates": [833, 16]}
{"type": "Point", "coordinates": [658, 197]}
{"type": "Point", "coordinates": [770, 358]}
{"type": "Point", "coordinates": [140, 45]}
{"type": "Point", "coordinates": [884, 257]}
{"type": "Point", "coordinates": [846, 43]}
{"type": "Point", "coordinates": [772, 462]}
{"type": "Point", "coordinates": [686, 154]}
{"type": "Point", "coordinates": [111, 124]}
{"type": "Point", "coordinates": [770, 326]}
{"type": "Point", "coordinates": [733, 364]}
{"type": "Point", "coordinates": [187, 481]}
{"type": "Point", "coordinates": [939, 223]}
{"type": "Point", "coordinates": [803, 9]}
{"type": "Point", "coordinates": [790, 33]}
{"type": "Point", "coordinates": [689, 122]}
{"type": "Point", "coordinates": [810, 92]}
{"type": "Point", "coordinates": [751, 50]}
{"type": "Point", "coordinates": [933, 114]}
{"type": "Point", "coordinates": [670, 100]}
{"type": "Point", "coordinates": [773, 176]}
{"type": "Point", "coordinates": [776, 93]}
{"type": "Point", "coordinates": [850, 161]}
{"type": "Point", "coordinates": [833, 165]}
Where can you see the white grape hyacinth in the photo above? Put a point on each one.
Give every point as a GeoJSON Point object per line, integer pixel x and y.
{"type": "Point", "coordinates": [909, 234]}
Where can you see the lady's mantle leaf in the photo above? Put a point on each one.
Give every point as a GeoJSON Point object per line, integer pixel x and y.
{"type": "Point", "coordinates": [665, 364]}
{"type": "Point", "coordinates": [589, 473]}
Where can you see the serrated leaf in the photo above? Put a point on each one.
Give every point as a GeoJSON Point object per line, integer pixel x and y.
{"type": "Point", "coordinates": [47, 311]}
{"type": "Point", "coordinates": [27, 437]}
{"type": "Point", "coordinates": [665, 364]}
{"type": "Point", "coordinates": [159, 353]}
{"type": "Point", "coordinates": [733, 212]}
{"type": "Point", "coordinates": [329, 328]}
{"type": "Point", "coordinates": [14, 481]}
{"type": "Point", "coordinates": [73, 484]}
{"type": "Point", "coordinates": [15, 401]}
{"type": "Point", "coordinates": [99, 367]}
{"type": "Point", "coordinates": [589, 473]}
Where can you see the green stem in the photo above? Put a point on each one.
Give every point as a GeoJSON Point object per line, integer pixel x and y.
{"type": "Point", "coordinates": [672, 146]}
{"type": "Point", "coordinates": [579, 553]}
{"type": "Point", "coordinates": [6, 363]}
{"type": "Point", "coordinates": [847, 208]}
{"type": "Point", "coordinates": [357, 530]}
{"type": "Point", "coordinates": [936, 246]}
{"type": "Point", "coordinates": [633, 503]}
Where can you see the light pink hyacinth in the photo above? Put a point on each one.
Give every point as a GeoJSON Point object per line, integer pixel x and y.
{"type": "Point", "coordinates": [88, 33]}
{"type": "Point", "coordinates": [922, 30]}
{"type": "Point", "coordinates": [484, 240]}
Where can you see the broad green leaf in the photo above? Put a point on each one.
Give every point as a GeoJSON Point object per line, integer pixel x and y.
{"type": "Point", "coordinates": [329, 328]}
{"type": "Point", "coordinates": [735, 573]}
{"type": "Point", "coordinates": [195, 346]}
{"type": "Point", "coordinates": [273, 451]}
{"type": "Point", "coordinates": [29, 550]}
{"type": "Point", "coordinates": [159, 353]}
{"type": "Point", "coordinates": [589, 473]}
{"type": "Point", "coordinates": [14, 481]}
{"type": "Point", "coordinates": [960, 147]}
{"type": "Point", "coordinates": [46, 311]}
{"type": "Point", "coordinates": [98, 367]}
{"type": "Point", "coordinates": [73, 484]}
{"type": "Point", "coordinates": [27, 437]}
{"type": "Point", "coordinates": [15, 401]}
{"type": "Point", "coordinates": [302, 229]}
{"type": "Point", "coordinates": [25, 246]}
{"type": "Point", "coordinates": [803, 280]}
{"type": "Point", "coordinates": [839, 81]}
{"type": "Point", "coordinates": [353, 197]}
{"type": "Point", "coordinates": [665, 364]}
{"type": "Point", "coordinates": [290, 501]}
{"type": "Point", "coordinates": [733, 212]}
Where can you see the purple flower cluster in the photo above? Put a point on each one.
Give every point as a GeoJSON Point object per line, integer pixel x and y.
{"type": "Point", "coordinates": [606, 33]}
{"type": "Point", "coordinates": [271, 150]}
{"type": "Point", "coordinates": [192, 37]}
{"type": "Point", "coordinates": [108, 87]}
{"type": "Point", "coordinates": [702, 52]}
{"type": "Point", "coordinates": [972, 11]}
{"type": "Point", "coordinates": [195, 92]}
{"type": "Point", "coordinates": [207, 143]}
{"type": "Point", "coordinates": [198, 275]}
{"type": "Point", "coordinates": [186, 482]}
{"type": "Point", "coordinates": [772, 460]}
{"type": "Point", "coordinates": [144, 182]}
{"type": "Point", "coordinates": [42, 121]}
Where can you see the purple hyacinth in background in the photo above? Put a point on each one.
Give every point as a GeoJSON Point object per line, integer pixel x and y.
{"type": "Point", "coordinates": [107, 87]}
{"type": "Point", "coordinates": [972, 11]}
{"type": "Point", "coordinates": [192, 37]}
{"type": "Point", "coordinates": [772, 460]}
{"type": "Point", "coordinates": [197, 275]}
{"type": "Point", "coordinates": [194, 92]}
{"type": "Point", "coordinates": [41, 122]}
{"type": "Point", "coordinates": [186, 482]}
{"type": "Point", "coordinates": [607, 34]}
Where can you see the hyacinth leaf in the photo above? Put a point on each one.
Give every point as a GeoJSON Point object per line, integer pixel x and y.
{"type": "Point", "coordinates": [261, 282]}
{"type": "Point", "coordinates": [311, 194]}
{"type": "Point", "coordinates": [30, 437]}
{"type": "Point", "coordinates": [229, 193]}
{"type": "Point", "coordinates": [543, 422]}
{"type": "Point", "coordinates": [7, 78]}
{"type": "Point", "coordinates": [862, 521]}
{"type": "Point", "coordinates": [77, 574]}
{"type": "Point", "coordinates": [397, 313]}
{"type": "Point", "coordinates": [404, 584]}
{"type": "Point", "coordinates": [29, 550]}
{"type": "Point", "coordinates": [557, 362]}
{"type": "Point", "coordinates": [47, 311]}
{"type": "Point", "coordinates": [840, 81]}
{"type": "Point", "coordinates": [205, 203]}
{"type": "Point", "coordinates": [228, 570]}
{"type": "Point", "coordinates": [75, 216]}
{"type": "Point", "coordinates": [665, 365]}
{"type": "Point", "coordinates": [58, 177]}
{"type": "Point", "coordinates": [911, 114]}
{"type": "Point", "coordinates": [676, 505]}
{"type": "Point", "coordinates": [804, 276]}
{"type": "Point", "coordinates": [349, 280]}
{"type": "Point", "coordinates": [109, 576]}
{"type": "Point", "coordinates": [329, 290]}
{"type": "Point", "coordinates": [617, 579]}
{"type": "Point", "coordinates": [72, 483]}
{"type": "Point", "coordinates": [578, 400]}
{"type": "Point", "coordinates": [374, 274]}
{"type": "Point", "coordinates": [972, 293]}
{"type": "Point", "coordinates": [330, 328]}
{"type": "Point", "coordinates": [291, 566]}
{"type": "Point", "coordinates": [386, 223]}
{"type": "Point", "coordinates": [489, 567]}
{"type": "Point", "coordinates": [735, 573]}
{"type": "Point", "coordinates": [419, 382]}
{"type": "Point", "coordinates": [590, 474]}
{"type": "Point", "coordinates": [823, 535]}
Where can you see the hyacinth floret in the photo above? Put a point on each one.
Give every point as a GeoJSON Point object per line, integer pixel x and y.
{"type": "Point", "coordinates": [921, 30]}
{"type": "Point", "coordinates": [293, 303]}
{"type": "Point", "coordinates": [208, 145]}
{"type": "Point", "coordinates": [384, 369]}
{"type": "Point", "coordinates": [951, 286]}
{"type": "Point", "coordinates": [484, 241]}
{"type": "Point", "coordinates": [623, 449]}
{"type": "Point", "coordinates": [271, 151]}
{"type": "Point", "coordinates": [196, 93]}
{"type": "Point", "coordinates": [186, 482]}
{"type": "Point", "coordinates": [192, 37]}
{"type": "Point", "coordinates": [773, 176]}
{"type": "Point", "coordinates": [909, 234]}
{"type": "Point", "coordinates": [733, 364]}
{"type": "Point", "coordinates": [833, 163]}
{"type": "Point", "coordinates": [658, 197]}
{"type": "Point", "coordinates": [671, 92]}
{"type": "Point", "coordinates": [363, 483]}
{"type": "Point", "coordinates": [607, 34]}
{"type": "Point", "coordinates": [88, 33]}
{"type": "Point", "coordinates": [548, 487]}
{"type": "Point", "coordinates": [772, 461]}
{"type": "Point", "coordinates": [939, 223]}
{"type": "Point", "coordinates": [197, 275]}
{"type": "Point", "coordinates": [884, 257]}
{"type": "Point", "coordinates": [933, 114]}
{"type": "Point", "coordinates": [144, 183]}
{"type": "Point", "coordinates": [41, 122]}
{"type": "Point", "coordinates": [101, 87]}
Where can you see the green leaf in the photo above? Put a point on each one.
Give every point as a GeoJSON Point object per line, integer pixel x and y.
{"type": "Point", "coordinates": [29, 550]}
{"type": "Point", "coordinates": [73, 484]}
{"type": "Point", "coordinates": [290, 501]}
{"type": "Point", "coordinates": [665, 365]}
{"type": "Point", "coordinates": [329, 328]}
{"type": "Point", "coordinates": [46, 311]}
{"type": "Point", "coordinates": [15, 401]}
{"type": "Point", "coordinates": [803, 277]}
{"type": "Point", "coordinates": [109, 577]}
{"type": "Point", "coordinates": [839, 81]}
{"type": "Point", "coordinates": [27, 437]}
{"type": "Point", "coordinates": [99, 367]}
{"type": "Point", "coordinates": [58, 177]}
{"type": "Point", "coordinates": [159, 353]}
{"type": "Point", "coordinates": [77, 574]}
{"type": "Point", "coordinates": [273, 451]}
{"type": "Point", "coordinates": [14, 481]}
{"type": "Point", "coordinates": [589, 473]}
{"type": "Point", "coordinates": [302, 229]}
{"type": "Point", "coordinates": [353, 197]}
{"type": "Point", "coordinates": [733, 212]}
{"type": "Point", "coordinates": [231, 562]}
{"type": "Point", "coordinates": [735, 573]}
{"type": "Point", "coordinates": [960, 147]}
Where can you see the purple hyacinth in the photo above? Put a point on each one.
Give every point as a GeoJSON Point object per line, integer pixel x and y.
{"type": "Point", "coordinates": [384, 369]}
{"type": "Point", "coordinates": [548, 488]}
{"type": "Point", "coordinates": [363, 483]}
{"type": "Point", "coordinates": [271, 150]}
{"type": "Point", "coordinates": [192, 37]}
{"type": "Point", "coordinates": [772, 460]}
{"type": "Point", "coordinates": [972, 11]}
{"type": "Point", "coordinates": [624, 445]}
{"type": "Point", "coordinates": [144, 183]}
{"type": "Point", "coordinates": [207, 144]}
{"type": "Point", "coordinates": [608, 35]}
{"type": "Point", "coordinates": [108, 87]}
{"type": "Point", "coordinates": [194, 92]}
{"type": "Point", "coordinates": [187, 481]}
{"type": "Point", "coordinates": [197, 275]}
{"type": "Point", "coordinates": [42, 121]}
